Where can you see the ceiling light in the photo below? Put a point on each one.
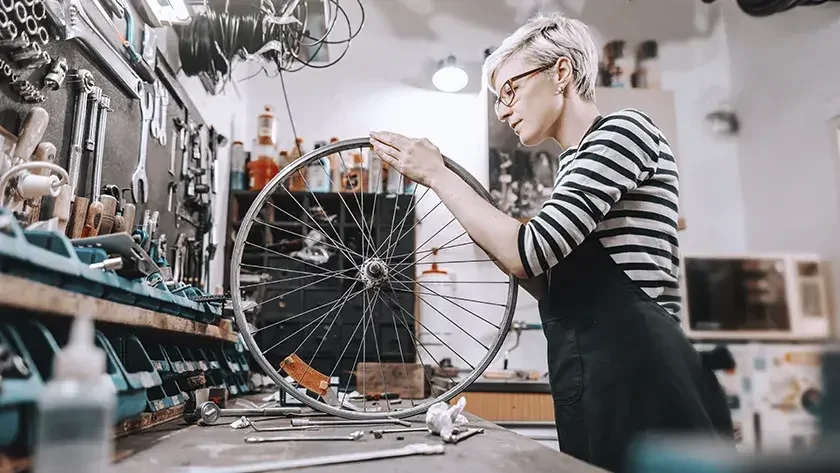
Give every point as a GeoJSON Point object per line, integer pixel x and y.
{"type": "Point", "coordinates": [449, 77]}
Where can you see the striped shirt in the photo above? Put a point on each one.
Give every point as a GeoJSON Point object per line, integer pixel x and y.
{"type": "Point", "coordinates": [621, 185]}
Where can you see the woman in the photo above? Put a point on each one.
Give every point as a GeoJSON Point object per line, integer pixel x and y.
{"type": "Point", "coordinates": [602, 255]}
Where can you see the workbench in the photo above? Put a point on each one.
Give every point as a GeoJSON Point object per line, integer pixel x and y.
{"type": "Point", "coordinates": [497, 450]}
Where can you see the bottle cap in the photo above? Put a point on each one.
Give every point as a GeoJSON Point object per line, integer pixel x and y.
{"type": "Point", "coordinates": [80, 358]}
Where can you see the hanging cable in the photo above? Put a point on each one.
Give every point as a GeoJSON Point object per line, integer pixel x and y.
{"type": "Point", "coordinates": [276, 32]}
{"type": "Point", "coordinates": [761, 8]}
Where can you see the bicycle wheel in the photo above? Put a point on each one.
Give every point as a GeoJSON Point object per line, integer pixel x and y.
{"type": "Point", "coordinates": [343, 278]}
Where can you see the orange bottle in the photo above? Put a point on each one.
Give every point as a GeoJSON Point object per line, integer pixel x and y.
{"type": "Point", "coordinates": [297, 182]}
{"type": "Point", "coordinates": [261, 170]}
{"type": "Point", "coordinates": [356, 177]}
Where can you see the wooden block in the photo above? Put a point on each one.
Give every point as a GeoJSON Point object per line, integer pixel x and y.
{"type": "Point", "coordinates": [509, 406]}
{"type": "Point", "coordinates": [408, 380]}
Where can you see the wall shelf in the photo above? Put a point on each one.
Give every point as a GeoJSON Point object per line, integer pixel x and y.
{"type": "Point", "coordinates": [27, 295]}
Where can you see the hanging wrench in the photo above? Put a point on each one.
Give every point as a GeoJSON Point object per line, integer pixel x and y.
{"type": "Point", "coordinates": [154, 126]}
{"type": "Point", "coordinates": [139, 180]}
{"type": "Point", "coordinates": [164, 103]}
{"type": "Point", "coordinates": [84, 82]}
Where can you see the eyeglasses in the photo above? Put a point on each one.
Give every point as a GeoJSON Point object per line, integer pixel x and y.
{"type": "Point", "coordinates": [507, 92]}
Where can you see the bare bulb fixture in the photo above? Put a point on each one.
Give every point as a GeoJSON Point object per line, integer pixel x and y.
{"type": "Point", "coordinates": [449, 76]}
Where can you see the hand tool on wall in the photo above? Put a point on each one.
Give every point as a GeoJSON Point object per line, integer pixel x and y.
{"type": "Point", "coordinates": [56, 75]}
{"type": "Point", "coordinates": [173, 152]}
{"type": "Point", "coordinates": [44, 152]}
{"type": "Point", "coordinates": [113, 204]}
{"type": "Point", "coordinates": [117, 7]}
{"type": "Point", "coordinates": [25, 184]}
{"type": "Point", "coordinates": [179, 249]}
{"type": "Point", "coordinates": [139, 180]}
{"type": "Point", "coordinates": [84, 84]}
{"type": "Point", "coordinates": [164, 104]}
{"type": "Point", "coordinates": [154, 125]}
{"type": "Point", "coordinates": [86, 20]}
{"type": "Point", "coordinates": [93, 218]}
{"type": "Point", "coordinates": [31, 131]}
{"type": "Point", "coordinates": [173, 189]}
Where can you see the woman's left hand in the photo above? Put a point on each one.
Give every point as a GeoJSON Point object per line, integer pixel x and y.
{"type": "Point", "coordinates": [416, 159]}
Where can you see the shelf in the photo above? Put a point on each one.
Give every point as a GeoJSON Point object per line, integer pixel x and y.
{"type": "Point", "coordinates": [33, 296]}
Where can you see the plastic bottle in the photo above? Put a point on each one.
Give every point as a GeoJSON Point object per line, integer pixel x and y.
{"type": "Point", "coordinates": [318, 174]}
{"type": "Point", "coordinates": [298, 181]}
{"type": "Point", "coordinates": [237, 167]}
{"type": "Point", "coordinates": [266, 129]}
{"type": "Point", "coordinates": [375, 172]}
{"type": "Point", "coordinates": [76, 409]}
{"type": "Point", "coordinates": [336, 169]}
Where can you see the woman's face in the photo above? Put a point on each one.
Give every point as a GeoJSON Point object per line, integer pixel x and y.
{"type": "Point", "coordinates": [534, 113]}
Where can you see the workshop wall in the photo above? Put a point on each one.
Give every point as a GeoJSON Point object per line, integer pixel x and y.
{"type": "Point", "coordinates": [122, 141]}
{"type": "Point", "coordinates": [787, 69]}
{"type": "Point", "coordinates": [392, 90]}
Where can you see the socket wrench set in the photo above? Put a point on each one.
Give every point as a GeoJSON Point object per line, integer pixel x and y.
{"type": "Point", "coordinates": [148, 375]}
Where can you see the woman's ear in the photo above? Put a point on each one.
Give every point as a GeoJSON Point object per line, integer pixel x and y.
{"type": "Point", "coordinates": [563, 69]}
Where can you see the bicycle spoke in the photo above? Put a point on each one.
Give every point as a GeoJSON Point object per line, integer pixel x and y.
{"type": "Point", "coordinates": [408, 211]}
{"type": "Point", "coordinates": [275, 281]}
{"type": "Point", "coordinates": [402, 356]}
{"type": "Point", "coordinates": [257, 266]}
{"type": "Point", "coordinates": [414, 341]}
{"type": "Point", "coordinates": [299, 314]}
{"type": "Point", "coordinates": [316, 319]}
{"type": "Point", "coordinates": [431, 333]}
{"type": "Point", "coordinates": [430, 238]}
{"type": "Point", "coordinates": [402, 234]}
{"type": "Point", "coordinates": [356, 196]}
{"type": "Point", "coordinates": [324, 232]}
{"type": "Point", "coordinates": [303, 236]}
{"type": "Point", "coordinates": [408, 289]}
{"type": "Point", "coordinates": [293, 258]}
{"type": "Point", "coordinates": [378, 357]}
{"type": "Point", "coordinates": [444, 246]}
{"type": "Point", "coordinates": [434, 334]}
{"type": "Point", "coordinates": [454, 298]}
{"type": "Point", "coordinates": [337, 313]}
{"type": "Point", "coordinates": [358, 352]}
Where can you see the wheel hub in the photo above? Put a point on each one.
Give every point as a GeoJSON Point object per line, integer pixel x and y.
{"type": "Point", "coordinates": [373, 272]}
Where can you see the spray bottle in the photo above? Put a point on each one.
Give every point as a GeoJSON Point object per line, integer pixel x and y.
{"type": "Point", "coordinates": [76, 409]}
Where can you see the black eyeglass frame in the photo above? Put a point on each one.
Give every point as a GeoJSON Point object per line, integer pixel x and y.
{"type": "Point", "coordinates": [509, 83]}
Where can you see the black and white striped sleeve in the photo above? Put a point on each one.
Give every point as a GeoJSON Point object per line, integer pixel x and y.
{"type": "Point", "coordinates": [613, 159]}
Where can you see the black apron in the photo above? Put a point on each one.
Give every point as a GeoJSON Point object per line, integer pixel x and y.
{"type": "Point", "coordinates": [620, 364]}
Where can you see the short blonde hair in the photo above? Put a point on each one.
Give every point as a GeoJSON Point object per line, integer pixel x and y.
{"type": "Point", "coordinates": [542, 41]}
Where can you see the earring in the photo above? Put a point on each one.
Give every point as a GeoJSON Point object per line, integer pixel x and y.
{"type": "Point", "coordinates": [560, 90]}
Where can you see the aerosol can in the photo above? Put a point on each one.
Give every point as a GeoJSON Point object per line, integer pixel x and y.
{"type": "Point", "coordinates": [76, 409]}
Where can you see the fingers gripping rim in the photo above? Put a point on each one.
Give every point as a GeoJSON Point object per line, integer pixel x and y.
{"type": "Point", "coordinates": [242, 324]}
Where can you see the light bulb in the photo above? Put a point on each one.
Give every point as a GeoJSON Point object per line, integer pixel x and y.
{"type": "Point", "coordinates": [449, 77]}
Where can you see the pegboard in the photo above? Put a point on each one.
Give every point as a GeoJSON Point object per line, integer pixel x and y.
{"type": "Point", "coordinates": [122, 138]}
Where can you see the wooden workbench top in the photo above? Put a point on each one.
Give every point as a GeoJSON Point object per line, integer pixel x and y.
{"type": "Point", "coordinates": [497, 450]}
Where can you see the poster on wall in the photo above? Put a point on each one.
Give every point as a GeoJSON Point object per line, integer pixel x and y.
{"type": "Point", "coordinates": [521, 178]}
